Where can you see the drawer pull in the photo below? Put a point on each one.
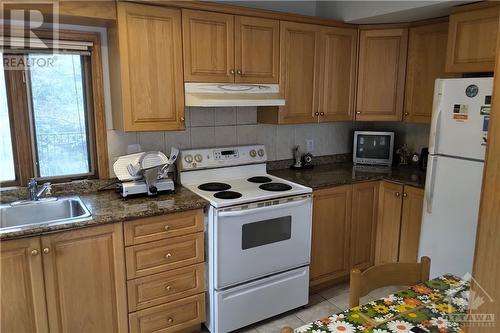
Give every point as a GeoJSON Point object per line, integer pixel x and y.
{"type": "Point", "coordinates": [168, 255]}
{"type": "Point", "coordinates": [166, 227]}
{"type": "Point", "coordinates": [168, 288]}
{"type": "Point", "coordinates": [170, 320]}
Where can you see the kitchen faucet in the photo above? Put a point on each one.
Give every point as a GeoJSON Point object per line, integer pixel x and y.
{"type": "Point", "coordinates": [34, 193]}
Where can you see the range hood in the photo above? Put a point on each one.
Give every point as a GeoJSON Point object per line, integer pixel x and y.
{"type": "Point", "coordinates": [229, 94]}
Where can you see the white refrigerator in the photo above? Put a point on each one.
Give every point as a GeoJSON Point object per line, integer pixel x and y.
{"type": "Point", "coordinates": [457, 143]}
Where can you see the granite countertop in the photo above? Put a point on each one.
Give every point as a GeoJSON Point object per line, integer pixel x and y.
{"type": "Point", "coordinates": [109, 207]}
{"type": "Point", "coordinates": [337, 174]}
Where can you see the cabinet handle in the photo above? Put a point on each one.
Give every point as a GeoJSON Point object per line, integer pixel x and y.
{"type": "Point", "coordinates": [168, 288]}
{"type": "Point", "coordinates": [405, 195]}
{"type": "Point", "coordinates": [358, 112]}
{"type": "Point", "coordinates": [168, 255]}
{"type": "Point", "coordinates": [398, 194]}
{"type": "Point", "coordinates": [170, 320]}
{"type": "Point", "coordinates": [34, 252]}
{"type": "Point", "coordinates": [182, 119]}
{"type": "Point", "coordinates": [239, 72]}
{"type": "Point", "coordinates": [46, 250]}
{"type": "Point", "coordinates": [316, 113]}
{"type": "Point", "coordinates": [321, 113]}
{"type": "Point", "coordinates": [231, 71]}
{"type": "Point", "coordinates": [407, 114]}
{"type": "Point", "coordinates": [166, 227]}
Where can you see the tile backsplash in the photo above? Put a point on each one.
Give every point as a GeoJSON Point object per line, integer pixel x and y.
{"type": "Point", "coordinates": [215, 127]}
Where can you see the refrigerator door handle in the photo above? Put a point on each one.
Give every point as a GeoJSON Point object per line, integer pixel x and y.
{"type": "Point", "coordinates": [429, 189]}
{"type": "Point", "coordinates": [435, 130]}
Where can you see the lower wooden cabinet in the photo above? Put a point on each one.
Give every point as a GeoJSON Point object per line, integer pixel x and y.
{"type": "Point", "coordinates": [399, 222]}
{"type": "Point", "coordinates": [363, 224]}
{"type": "Point", "coordinates": [23, 306]}
{"type": "Point", "coordinates": [357, 226]}
{"type": "Point", "coordinates": [330, 234]}
{"type": "Point", "coordinates": [82, 282]}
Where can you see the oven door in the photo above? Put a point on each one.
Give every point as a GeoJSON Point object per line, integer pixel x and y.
{"type": "Point", "coordinates": [256, 242]}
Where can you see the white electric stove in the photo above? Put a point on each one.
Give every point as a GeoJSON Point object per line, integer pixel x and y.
{"type": "Point", "coordinates": [258, 235]}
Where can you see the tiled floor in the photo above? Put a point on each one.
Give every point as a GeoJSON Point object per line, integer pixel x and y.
{"type": "Point", "coordinates": [321, 304]}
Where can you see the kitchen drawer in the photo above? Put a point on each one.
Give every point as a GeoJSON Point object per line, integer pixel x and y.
{"type": "Point", "coordinates": [163, 255]}
{"type": "Point", "coordinates": [162, 227]}
{"type": "Point", "coordinates": [170, 317]}
{"type": "Point", "coordinates": [165, 287]}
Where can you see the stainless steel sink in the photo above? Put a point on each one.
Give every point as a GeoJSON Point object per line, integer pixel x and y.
{"type": "Point", "coordinates": [48, 211]}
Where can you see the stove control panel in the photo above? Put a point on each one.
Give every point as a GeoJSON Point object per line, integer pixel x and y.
{"type": "Point", "coordinates": [193, 159]}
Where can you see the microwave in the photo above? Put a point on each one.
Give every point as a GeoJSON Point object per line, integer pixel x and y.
{"type": "Point", "coordinates": [375, 148]}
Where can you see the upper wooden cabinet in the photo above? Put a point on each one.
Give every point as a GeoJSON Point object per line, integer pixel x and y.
{"type": "Point", "coordinates": [330, 234]}
{"type": "Point", "coordinates": [381, 74]}
{"type": "Point", "coordinates": [299, 63]}
{"type": "Point", "coordinates": [146, 68]}
{"type": "Point", "coordinates": [256, 50]}
{"type": "Point", "coordinates": [208, 41]}
{"type": "Point", "coordinates": [317, 74]}
{"type": "Point", "coordinates": [364, 224]}
{"type": "Point", "coordinates": [472, 39]}
{"type": "Point", "coordinates": [337, 74]}
{"type": "Point", "coordinates": [22, 287]}
{"type": "Point", "coordinates": [426, 63]}
{"type": "Point", "coordinates": [226, 48]}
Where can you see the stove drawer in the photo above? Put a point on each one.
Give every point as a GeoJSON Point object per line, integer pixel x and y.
{"type": "Point", "coordinates": [165, 287]}
{"type": "Point", "coordinates": [170, 317]}
{"type": "Point", "coordinates": [164, 226]}
{"type": "Point", "coordinates": [163, 255]}
{"type": "Point", "coordinates": [257, 300]}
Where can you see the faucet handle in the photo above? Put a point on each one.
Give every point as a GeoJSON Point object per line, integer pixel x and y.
{"type": "Point", "coordinates": [32, 182]}
{"type": "Point", "coordinates": [48, 191]}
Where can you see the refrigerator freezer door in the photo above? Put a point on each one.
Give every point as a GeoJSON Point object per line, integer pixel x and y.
{"type": "Point", "coordinates": [448, 233]}
{"type": "Point", "coordinates": [458, 119]}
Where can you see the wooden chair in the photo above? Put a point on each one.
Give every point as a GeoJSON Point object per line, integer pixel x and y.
{"type": "Point", "coordinates": [384, 275]}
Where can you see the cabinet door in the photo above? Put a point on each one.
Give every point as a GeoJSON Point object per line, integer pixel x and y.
{"type": "Point", "coordinates": [388, 222]}
{"type": "Point", "coordinates": [472, 40]}
{"type": "Point", "coordinates": [208, 41]}
{"type": "Point", "coordinates": [364, 224]}
{"type": "Point", "coordinates": [85, 280]}
{"type": "Point", "coordinates": [22, 287]}
{"type": "Point", "coordinates": [381, 74]}
{"type": "Point", "coordinates": [256, 50]}
{"type": "Point", "coordinates": [426, 62]}
{"type": "Point", "coordinates": [337, 74]}
{"type": "Point", "coordinates": [299, 46]}
{"type": "Point", "coordinates": [150, 60]}
{"type": "Point", "coordinates": [411, 221]}
{"type": "Point", "coordinates": [330, 234]}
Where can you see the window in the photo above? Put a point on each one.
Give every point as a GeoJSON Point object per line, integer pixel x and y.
{"type": "Point", "coordinates": [59, 117]}
{"type": "Point", "coordinates": [7, 171]}
{"type": "Point", "coordinates": [49, 112]}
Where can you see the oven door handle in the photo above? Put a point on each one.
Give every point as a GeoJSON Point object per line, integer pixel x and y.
{"type": "Point", "coordinates": [244, 212]}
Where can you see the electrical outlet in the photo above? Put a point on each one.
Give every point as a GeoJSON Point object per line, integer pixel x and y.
{"type": "Point", "coordinates": [310, 145]}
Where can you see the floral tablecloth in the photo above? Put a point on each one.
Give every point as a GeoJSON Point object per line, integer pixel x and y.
{"type": "Point", "coordinates": [434, 306]}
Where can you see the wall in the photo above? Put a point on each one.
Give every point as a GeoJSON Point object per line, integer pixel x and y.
{"type": "Point", "coordinates": [216, 127]}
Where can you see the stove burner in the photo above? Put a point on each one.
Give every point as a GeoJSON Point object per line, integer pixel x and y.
{"type": "Point", "coordinates": [275, 187]}
{"type": "Point", "coordinates": [227, 195]}
{"type": "Point", "coordinates": [259, 179]}
{"type": "Point", "coordinates": [215, 187]}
